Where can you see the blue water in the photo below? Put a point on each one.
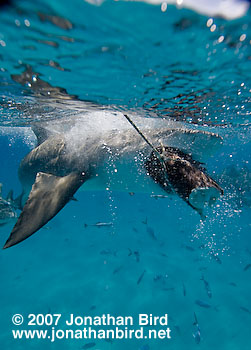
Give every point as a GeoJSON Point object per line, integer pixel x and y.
{"type": "Point", "coordinates": [132, 56]}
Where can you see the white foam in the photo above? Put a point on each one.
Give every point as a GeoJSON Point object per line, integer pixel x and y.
{"type": "Point", "coordinates": [228, 9]}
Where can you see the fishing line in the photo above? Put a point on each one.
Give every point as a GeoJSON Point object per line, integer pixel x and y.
{"type": "Point", "coordinates": [162, 161]}
{"type": "Point", "coordinates": [159, 156]}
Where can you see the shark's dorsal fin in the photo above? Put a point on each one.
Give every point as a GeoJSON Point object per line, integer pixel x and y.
{"type": "Point", "coordinates": [49, 194]}
{"type": "Point", "coordinates": [42, 134]}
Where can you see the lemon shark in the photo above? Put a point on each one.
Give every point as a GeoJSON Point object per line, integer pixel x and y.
{"type": "Point", "coordinates": [99, 148]}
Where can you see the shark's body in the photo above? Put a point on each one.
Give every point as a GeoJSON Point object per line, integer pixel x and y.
{"type": "Point", "coordinates": [105, 146]}
{"type": "Point", "coordinates": [102, 149]}
{"type": "Point", "coordinates": [99, 148]}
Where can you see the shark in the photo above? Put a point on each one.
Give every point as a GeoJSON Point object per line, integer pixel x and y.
{"type": "Point", "coordinates": [100, 148]}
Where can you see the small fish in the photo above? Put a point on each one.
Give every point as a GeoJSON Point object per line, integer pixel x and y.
{"type": "Point", "coordinates": [207, 287]}
{"type": "Point", "coordinates": [203, 268]}
{"type": "Point", "coordinates": [108, 340]}
{"type": "Point", "coordinates": [188, 247]}
{"type": "Point", "coordinates": [144, 221]}
{"type": "Point", "coordinates": [232, 284]}
{"type": "Point", "coordinates": [161, 279]}
{"type": "Point", "coordinates": [88, 345]}
{"type": "Point", "coordinates": [7, 208]}
{"type": "Point", "coordinates": [131, 193]}
{"type": "Point", "coordinates": [184, 289]}
{"type": "Point", "coordinates": [108, 252]}
{"type": "Point", "coordinates": [164, 255]}
{"type": "Point", "coordinates": [216, 258]}
{"type": "Point", "coordinates": [247, 267]}
{"type": "Point", "coordinates": [151, 233]}
{"type": "Point", "coordinates": [168, 289]}
{"type": "Point", "coordinates": [202, 303]}
{"type": "Point", "coordinates": [136, 254]}
{"type": "Point", "coordinates": [141, 277]}
{"type": "Point", "coordinates": [158, 196]}
{"type": "Point", "coordinates": [197, 333]}
{"type": "Point", "coordinates": [243, 308]}
{"type": "Point", "coordinates": [135, 229]}
{"type": "Point", "coordinates": [203, 246]}
{"type": "Point", "coordinates": [157, 278]}
{"type": "Point", "coordinates": [93, 307]}
{"type": "Point", "coordinates": [117, 269]}
{"type": "Point", "coordinates": [100, 224]}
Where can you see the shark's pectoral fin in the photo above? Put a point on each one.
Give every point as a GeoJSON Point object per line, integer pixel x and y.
{"type": "Point", "coordinates": [49, 194]}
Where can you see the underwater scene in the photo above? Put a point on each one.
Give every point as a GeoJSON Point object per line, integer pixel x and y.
{"type": "Point", "coordinates": [125, 175]}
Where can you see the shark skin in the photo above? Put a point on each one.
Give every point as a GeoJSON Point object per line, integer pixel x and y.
{"type": "Point", "coordinates": [67, 158]}
{"type": "Point", "coordinates": [91, 146]}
